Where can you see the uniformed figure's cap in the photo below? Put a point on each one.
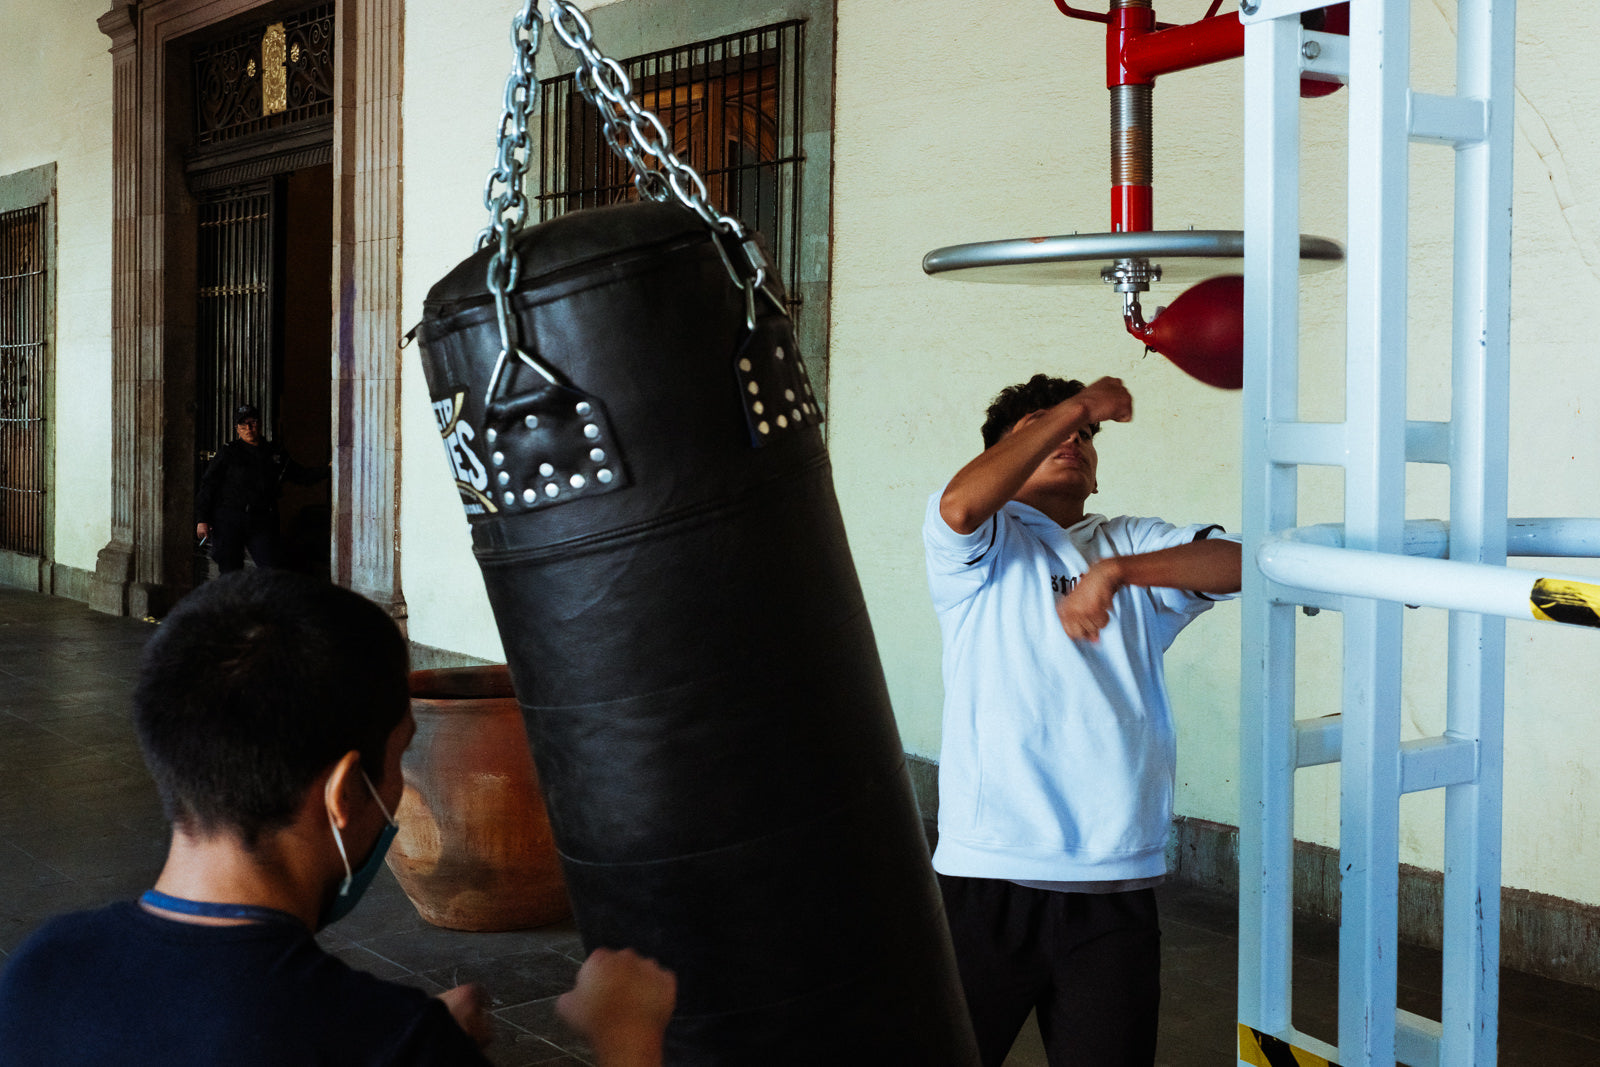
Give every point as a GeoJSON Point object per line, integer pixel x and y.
{"type": "Point", "coordinates": [245, 411]}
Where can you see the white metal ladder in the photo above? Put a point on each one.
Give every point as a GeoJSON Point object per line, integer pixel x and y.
{"type": "Point", "coordinates": [1376, 562]}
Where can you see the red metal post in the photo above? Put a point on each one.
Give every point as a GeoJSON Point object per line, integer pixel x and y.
{"type": "Point", "coordinates": [1136, 52]}
{"type": "Point", "coordinates": [1127, 24]}
{"type": "Point", "coordinates": [1132, 207]}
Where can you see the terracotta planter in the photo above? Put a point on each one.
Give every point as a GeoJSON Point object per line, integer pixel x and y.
{"type": "Point", "coordinates": [474, 851]}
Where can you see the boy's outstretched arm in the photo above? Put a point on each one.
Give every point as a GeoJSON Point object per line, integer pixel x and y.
{"type": "Point", "coordinates": [983, 486]}
{"type": "Point", "coordinates": [1209, 566]}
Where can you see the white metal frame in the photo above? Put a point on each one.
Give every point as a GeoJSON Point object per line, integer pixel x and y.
{"type": "Point", "coordinates": [1368, 566]}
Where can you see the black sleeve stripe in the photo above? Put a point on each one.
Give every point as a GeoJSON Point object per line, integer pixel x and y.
{"type": "Point", "coordinates": [1205, 535]}
{"type": "Point", "coordinates": [993, 526]}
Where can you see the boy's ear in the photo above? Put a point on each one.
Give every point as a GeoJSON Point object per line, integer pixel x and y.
{"type": "Point", "coordinates": [343, 789]}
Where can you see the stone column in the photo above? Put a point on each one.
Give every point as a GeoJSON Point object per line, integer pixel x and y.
{"type": "Point", "coordinates": [366, 486]}
{"type": "Point", "coordinates": [114, 570]}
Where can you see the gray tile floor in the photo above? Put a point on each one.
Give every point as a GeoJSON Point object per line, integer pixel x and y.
{"type": "Point", "coordinates": [80, 826]}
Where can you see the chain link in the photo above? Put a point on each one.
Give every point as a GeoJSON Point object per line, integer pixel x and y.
{"type": "Point", "coordinates": [637, 136]}
{"type": "Point", "coordinates": [503, 191]}
{"type": "Point", "coordinates": [633, 133]}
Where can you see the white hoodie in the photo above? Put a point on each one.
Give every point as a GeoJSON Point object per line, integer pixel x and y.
{"type": "Point", "coordinates": [1058, 757]}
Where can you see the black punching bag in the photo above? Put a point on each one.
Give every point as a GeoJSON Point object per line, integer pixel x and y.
{"type": "Point", "coordinates": [653, 510]}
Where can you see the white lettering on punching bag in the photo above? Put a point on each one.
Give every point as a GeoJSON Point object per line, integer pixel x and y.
{"type": "Point", "coordinates": [471, 478]}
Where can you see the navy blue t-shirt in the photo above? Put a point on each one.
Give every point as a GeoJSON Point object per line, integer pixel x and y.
{"type": "Point", "coordinates": [120, 985]}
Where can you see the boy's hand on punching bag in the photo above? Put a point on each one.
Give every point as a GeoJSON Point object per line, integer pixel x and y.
{"type": "Point", "coordinates": [621, 1003]}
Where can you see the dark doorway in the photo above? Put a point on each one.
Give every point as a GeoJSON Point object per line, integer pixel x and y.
{"type": "Point", "coordinates": [304, 401]}
{"type": "Point", "coordinates": [259, 164]}
{"type": "Point", "coordinates": [264, 337]}
{"type": "Point", "coordinates": [24, 385]}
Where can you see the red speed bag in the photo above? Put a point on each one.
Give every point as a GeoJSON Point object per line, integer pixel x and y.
{"type": "Point", "coordinates": [1203, 331]}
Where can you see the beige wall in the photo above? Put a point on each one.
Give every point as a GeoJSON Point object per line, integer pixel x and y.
{"type": "Point", "coordinates": [456, 60]}
{"type": "Point", "coordinates": [55, 81]}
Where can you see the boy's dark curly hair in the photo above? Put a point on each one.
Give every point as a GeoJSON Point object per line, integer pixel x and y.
{"type": "Point", "coordinates": [1037, 393]}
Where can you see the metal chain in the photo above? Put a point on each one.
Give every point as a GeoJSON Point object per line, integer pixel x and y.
{"type": "Point", "coordinates": [634, 134]}
{"type": "Point", "coordinates": [502, 192]}
{"type": "Point", "coordinates": [639, 138]}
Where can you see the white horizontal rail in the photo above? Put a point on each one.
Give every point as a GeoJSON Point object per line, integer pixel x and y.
{"type": "Point", "coordinates": [1318, 741]}
{"type": "Point", "coordinates": [1428, 442]}
{"type": "Point", "coordinates": [1436, 583]}
{"type": "Point", "coordinates": [1416, 1039]}
{"type": "Point", "coordinates": [1425, 762]}
{"type": "Point", "coordinates": [1261, 10]}
{"type": "Point", "coordinates": [1325, 56]}
{"type": "Point", "coordinates": [1436, 762]}
{"type": "Point", "coordinates": [1326, 444]}
{"type": "Point", "coordinates": [1452, 120]}
{"type": "Point", "coordinates": [1551, 538]}
{"type": "Point", "coordinates": [1573, 538]}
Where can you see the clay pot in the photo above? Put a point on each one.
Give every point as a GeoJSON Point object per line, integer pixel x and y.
{"type": "Point", "coordinates": [474, 851]}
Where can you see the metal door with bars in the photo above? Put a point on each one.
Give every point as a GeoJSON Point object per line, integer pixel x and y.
{"type": "Point", "coordinates": [236, 331]}
{"type": "Point", "coordinates": [23, 336]}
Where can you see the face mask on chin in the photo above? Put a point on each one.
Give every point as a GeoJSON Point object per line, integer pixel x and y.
{"type": "Point", "coordinates": [356, 882]}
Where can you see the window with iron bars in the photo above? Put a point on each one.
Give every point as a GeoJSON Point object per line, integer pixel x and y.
{"type": "Point", "coordinates": [732, 106]}
{"type": "Point", "coordinates": [22, 380]}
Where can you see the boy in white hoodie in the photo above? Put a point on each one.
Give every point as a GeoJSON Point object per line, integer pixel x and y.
{"type": "Point", "coordinates": [1057, 771]}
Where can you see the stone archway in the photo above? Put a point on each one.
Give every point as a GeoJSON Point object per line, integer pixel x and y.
{"type": "Point", "coordinates": [144, 566]}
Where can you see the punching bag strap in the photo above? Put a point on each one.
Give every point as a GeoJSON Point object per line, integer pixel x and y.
{"type": "Point", "coordinates": [549, 442]}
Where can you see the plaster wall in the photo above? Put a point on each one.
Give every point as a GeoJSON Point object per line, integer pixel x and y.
{"type": "Point", "coordinates": [55, 79]}
{"type": "Point", "coordinates": [456, 60]}
{"type": "Point", "coordinates": [990, 122]}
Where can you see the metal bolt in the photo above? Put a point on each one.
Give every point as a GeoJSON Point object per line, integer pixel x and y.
{"type": "Point", "coordinates": [1249, 7]}
{"type": "Point", "coordinates": [1311, 50]}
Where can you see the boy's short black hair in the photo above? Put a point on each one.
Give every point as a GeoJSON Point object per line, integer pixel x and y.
{"type": "Point", "coordinates": [1037, 393]}
{"type": "Point", "coordinates": [256, 683]}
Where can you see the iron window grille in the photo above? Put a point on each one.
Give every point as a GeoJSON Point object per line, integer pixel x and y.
{"type": "Point", "coordinates": [22, 384]}
{"type": "Point", "coordinates": [733, 108]}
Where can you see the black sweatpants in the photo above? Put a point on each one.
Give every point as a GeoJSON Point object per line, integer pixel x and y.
{"type": "Point", "coordinates": [233, 532]}
{"type": "Point", "coordinates": [1090, 963]}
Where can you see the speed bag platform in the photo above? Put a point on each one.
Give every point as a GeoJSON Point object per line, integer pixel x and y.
{"type": "Point", "coordinates": [652, 508]}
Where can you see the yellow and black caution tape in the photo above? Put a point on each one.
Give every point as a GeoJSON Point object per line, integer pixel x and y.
{"type": "Point", "coordinates": [1559, 600]}
{"type": "Point", "coordinates": [1264, 1050]}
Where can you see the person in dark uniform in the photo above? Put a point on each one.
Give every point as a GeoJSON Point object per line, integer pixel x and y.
{"type": "Point", "coordinates": [237, 506]}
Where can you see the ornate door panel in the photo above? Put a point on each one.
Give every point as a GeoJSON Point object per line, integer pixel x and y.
{"type": "Point", "coordinates": [236, 331]}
